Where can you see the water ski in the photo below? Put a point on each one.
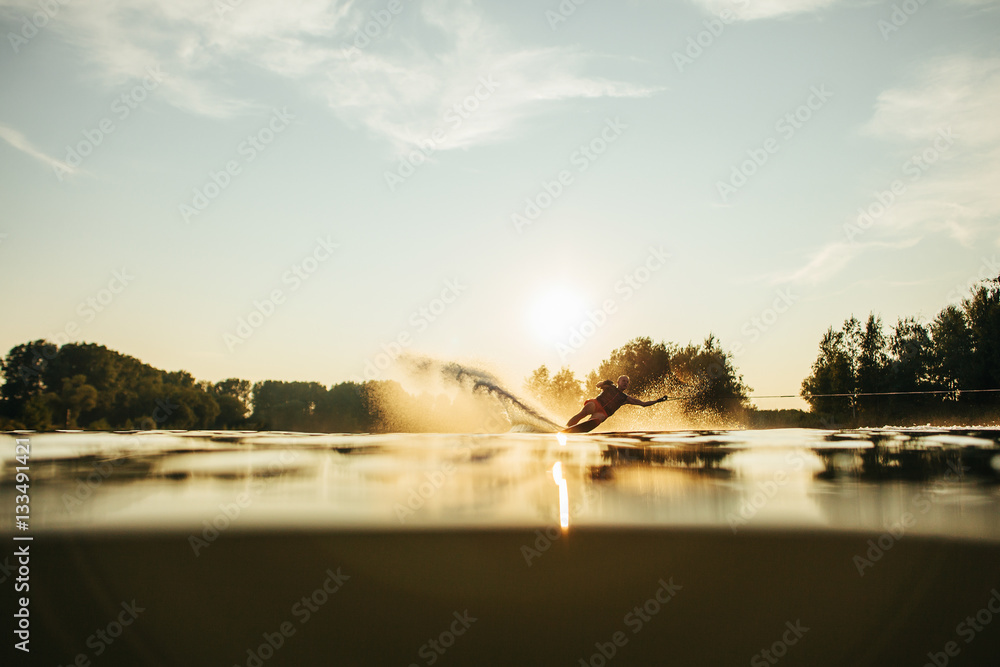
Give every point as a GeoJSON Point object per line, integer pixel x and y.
{"type": "Point", "coordinates": [582, 427]}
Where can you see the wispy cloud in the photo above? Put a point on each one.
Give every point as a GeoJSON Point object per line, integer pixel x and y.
{"type": "Point", "coordinates": [943, 123]}
{"type": "Point", "coordinates": [821, 265]}
{"type": "Point", "coordinates": [425, 59]}
{"type": "Point", "coordinates": [21, 143]}
{"type": "Point", "coordinates": [749, 10]}
{"type": "Point", "coordinates": [957, 193]}
{"type": "Point", "coordinates": [827, 262]}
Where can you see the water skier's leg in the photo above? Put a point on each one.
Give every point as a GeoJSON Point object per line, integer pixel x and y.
{"type": "Point", "coordinates": [588, 409]}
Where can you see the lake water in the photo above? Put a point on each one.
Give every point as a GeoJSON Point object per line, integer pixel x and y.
{"type": "Point", "coordinates": [722, 547]}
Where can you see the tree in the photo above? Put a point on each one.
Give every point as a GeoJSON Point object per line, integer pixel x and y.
{"type": "Point", "coordinates": [195, 409]}
{"type": "Point", "coordinates": [286, 405]}
{"type": "Point", "coordinates": [346, 408]}
{"type": "Point", "coordinates": [832, 373]}
{"type": "Point", "coordinates": [561, 393]}
{"type": "Point", "coordinates": [910, 351]}
{"type": "Point", "coordinates": [38, 409]}
{"type": "Point", "coordinates": [854, 360]}
{"type": "Point", "coordinates": [982, 313]}
{"type": "Point", "coordinates": [82, 384]}
{"type": "Point", "coordinates": [958, 350]}
{"type": "Point", "coordinates": [567, 394]}
{"type": "Point", "coordinates": [23, 370]}
{"type": "Point", "coordinates": [99, 364]}
{"type": "Point", "coordinates": [233, 398]}
{"type": "Point", "coordinates": [647, 364]}
{"type": "Point", "coordinates": [852, 341]}
{"type": "Point", "coordinates": [76, 398]}
{"type": "Point", "coordinates": [870, 367]}
{"type": "Point", "coordinates": [952, 355]}
{"type": "Point", "coordinates": [715, 387]}
{"type": "Point", "coordinates": [909, 367]}
{"type": "Point", "coordinates": [538, 384]}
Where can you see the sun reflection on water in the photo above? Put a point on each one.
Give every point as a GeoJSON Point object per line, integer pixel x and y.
{"type": "Point", "coordinates": [563, 495]}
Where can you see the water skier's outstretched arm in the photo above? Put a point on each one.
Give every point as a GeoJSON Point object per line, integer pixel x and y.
{"type": "Point", "coordinates": [645, 404]}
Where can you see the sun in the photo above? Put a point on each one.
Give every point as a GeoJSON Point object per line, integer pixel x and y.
{"type": "Point", "coordinates": [555, 311]}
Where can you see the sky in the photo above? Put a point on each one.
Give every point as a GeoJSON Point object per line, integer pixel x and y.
{"type": "Point", "coordinates": [303, 190]}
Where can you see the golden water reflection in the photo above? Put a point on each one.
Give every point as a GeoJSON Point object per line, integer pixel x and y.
{"type": "Point", "coordinates": [563, 495]}
{"type": "Point", "coordinates": [733, 480]}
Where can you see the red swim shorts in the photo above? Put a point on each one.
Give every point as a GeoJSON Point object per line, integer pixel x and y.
{"type": "Point", "coordinates": [598, 412]}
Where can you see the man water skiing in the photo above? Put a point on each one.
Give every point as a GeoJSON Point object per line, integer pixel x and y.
{"type": "Point", "coordinates": [607, 402]}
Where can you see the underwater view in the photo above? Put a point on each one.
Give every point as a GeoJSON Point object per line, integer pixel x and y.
{"type": "Point", "coordinates": [874, 546]}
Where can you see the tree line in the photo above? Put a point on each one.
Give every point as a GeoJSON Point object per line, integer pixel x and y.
{"type": "Point", "coordinates": [83, 385]}
{"type": "Point", "coordinates": [956, 356]}
{"type": "Point", "coordinates": [88, 386]}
